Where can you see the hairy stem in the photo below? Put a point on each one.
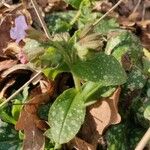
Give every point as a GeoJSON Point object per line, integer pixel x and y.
{"type": "Point", "coordinates": [75, 17]}
{"type": "Point", "coordinates": [76, 82]}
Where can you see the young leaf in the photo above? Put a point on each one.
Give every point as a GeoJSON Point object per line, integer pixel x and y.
{"type": "Point", "coordinates": [93, 91]}
{"type": "Point", "coordinates": [66, 116]}
{"type": "Point", "coordinates": [100, 68]}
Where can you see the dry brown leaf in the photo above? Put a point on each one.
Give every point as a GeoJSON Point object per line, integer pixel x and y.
{"type": "Point", "coordinates": [5, 88]}
{"type": "Point", "coordinates": [113, 103]}
{"type": "Point", "coordinates": [29, 122]}
{"type": "Point", "coordinates": [99, 116]}
{"type": "Point", "coordinates": [5, 27]}
{"type": "Point", "coordinates": [6, 64]}
{"type": "Point", "coordinates": [15, 69]}
{"type": "Point", "coordinates": [79, 144]}
{"type": "Point", "coordinates": [34, 139]}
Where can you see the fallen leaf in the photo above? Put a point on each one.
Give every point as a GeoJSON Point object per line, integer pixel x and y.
{"type": "Point", "coordinates": [79, 144]}
{"type": "Point", "coordinates": [15, 69]}
{"type": "Point", "coordinates": [99, 116]}
{"type": "Point", "coordinates": [6, 64]}
{"type": "Point", "coordinates": [28, 122]}
{"type": "Point", "coordinates": [4, 30]}
{"type": "Point", "coordinates": [34, 139]}
{"type": "Point", "coordinates": [113, 103]}
{"type": "Point", "coordinates": [5, 88]}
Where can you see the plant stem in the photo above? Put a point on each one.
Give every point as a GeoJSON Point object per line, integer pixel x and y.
{"type": "Point", "coordinates": [144, 140]}
{"type": "Point", "coordinates": [20, 89]}
{"type": "Point", "coordinates": [75, 17]}
{"type": "Point", "coordinates": [7, 118]}
{"type": "Point", "coordinates": [76, 82]}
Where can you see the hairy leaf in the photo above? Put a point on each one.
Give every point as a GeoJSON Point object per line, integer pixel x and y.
{"type": "Point", "coordinates": [101, 68]}
{"type": "Point", "coordinates": [66, 116]}
{"type": "Point", "coordinates": [9, 138]}
{"type": "Point", "coordinates": [136, 80]}
{"type": "Point", "coordinates": [123, 42]}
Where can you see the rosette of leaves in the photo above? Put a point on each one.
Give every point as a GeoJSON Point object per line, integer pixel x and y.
{"type": "Point", "coordinates": [66, 115]}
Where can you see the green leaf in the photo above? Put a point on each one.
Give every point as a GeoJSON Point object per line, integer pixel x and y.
{"type": "Point", "coordinates": [94, 91]}
{"type": "Point", "coordinates": [147, 112]}
{"type": "Point", "coordinates": [106, 25]}
{"type": "Point", "coordinates": [136, 80]}
{"type": "Point", "coordinates": [9, 138]}
{"type": "Point", "coordinates": [17, 106]}
{"type": "Point", "coordinates": [51, 57]}
{"type": "Point", "coordinates": [66, 116]}
{"type": "Point", "coordinates": [56, 21]}
{"type": "Point", "coordinates": [146, 65]}
{"type": "Point", "coordinates": [32, 49]}
{"type": "Point", "coordinates": [51, 73]}
{"type": "Point", "coordinates": [124, 42]}
{"type": "Point", "coordinates": [116, 138]}
{"type": "Point", "coordinates": [74, 3]}
{"type": "Point", "coordinates": [18, 102]}
{"type": "Point", "coordinates": [100, 68]}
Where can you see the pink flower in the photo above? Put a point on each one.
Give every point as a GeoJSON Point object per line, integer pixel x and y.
{"type": "Point", "coordinates": [22, 57]}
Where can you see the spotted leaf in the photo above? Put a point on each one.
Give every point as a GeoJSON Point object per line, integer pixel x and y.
{"type": "Point", "coordinates": [66, 116]}
{"type": "Point", "coordinates": [9, 138]}
{"type": "Point", "coordinates": [136, 80]}
{"type": "Point", "coordinates": [100, 68]}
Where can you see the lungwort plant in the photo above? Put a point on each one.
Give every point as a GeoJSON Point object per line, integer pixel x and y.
{"type": "Point", "coordinates": [93, 71]}
{"type": "Point", "coordinates": [99, 57]}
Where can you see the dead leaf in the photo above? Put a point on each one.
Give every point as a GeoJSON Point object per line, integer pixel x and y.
{"type": "Point", "coordinates": [6, 64]}
{"type": "Point", "coordinates": [113, 103]}
{"type": "Point", "coordinates": [15, 69]}
{"type": "Point", "coordinates": [29, 123]}
{"type": "Point", "coordinates": [47, 86]}
{"type": "Point", "coordinates": [5, 88]}
{"type": "Point", "coordinates": [34, 139]}
{"type": "Point", "coordinates": [79, 144]}
{"type": "Point", "coordinates": [99, 116]}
